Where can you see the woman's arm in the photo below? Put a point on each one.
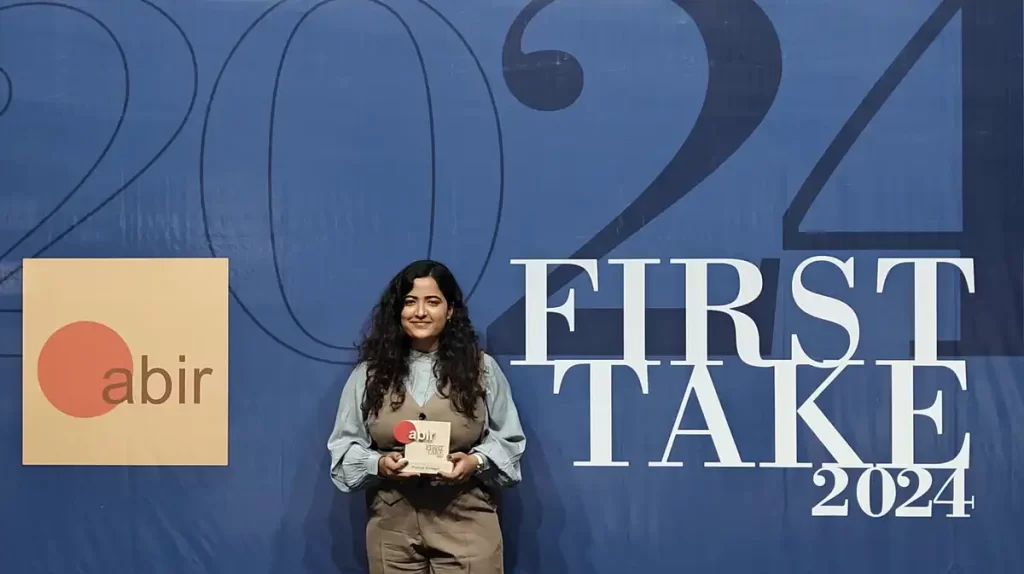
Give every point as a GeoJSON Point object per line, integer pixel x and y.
{"type": "Point", "coordinates": [353, 462]}
{"type": "Point", "coordinates": [503, 443]}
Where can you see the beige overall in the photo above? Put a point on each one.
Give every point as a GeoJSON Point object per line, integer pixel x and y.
{"type": "Point", "coordinates": [416, 525]}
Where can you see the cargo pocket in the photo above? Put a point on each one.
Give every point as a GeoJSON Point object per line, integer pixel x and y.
{"type": "Point", "coordinates": [389, 496]}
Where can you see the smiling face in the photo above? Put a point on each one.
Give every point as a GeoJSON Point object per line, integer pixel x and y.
{"type": "Point", "coordinates": [425, 312]}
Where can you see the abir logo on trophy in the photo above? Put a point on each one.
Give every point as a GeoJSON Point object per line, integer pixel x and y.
{"type": "Point", "coordinates": [426, 446]}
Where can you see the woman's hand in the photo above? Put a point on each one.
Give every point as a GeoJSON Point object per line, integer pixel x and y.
{"type": "Point", "coordinates": [465, 466]}
{"type": "Point", "coordinates": [390, 466]}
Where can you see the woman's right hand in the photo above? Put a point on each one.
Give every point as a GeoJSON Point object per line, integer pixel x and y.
{"type": "Point", "coordinates": [390, 466]}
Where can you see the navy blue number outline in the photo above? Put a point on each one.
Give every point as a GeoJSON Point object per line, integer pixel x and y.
{"type": "Point", "coordinates": [131, 180]}
{"type": "Point", "coordinates": [202, 171]}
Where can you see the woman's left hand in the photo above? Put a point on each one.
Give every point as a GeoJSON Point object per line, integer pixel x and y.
{"type": "Point", "coordinates": [465, 466]}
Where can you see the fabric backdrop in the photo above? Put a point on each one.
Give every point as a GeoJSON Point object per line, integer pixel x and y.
{"type": "Point", "coordinates": [321, 145]}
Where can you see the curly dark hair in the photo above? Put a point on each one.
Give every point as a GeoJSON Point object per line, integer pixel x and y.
{"type": "Point", "coordinates": [385, 347]}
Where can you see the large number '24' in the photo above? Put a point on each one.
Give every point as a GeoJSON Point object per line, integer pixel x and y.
{"type": "Point", "coordinates": [751, 63]}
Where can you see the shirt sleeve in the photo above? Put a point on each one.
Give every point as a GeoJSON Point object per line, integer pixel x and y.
{"type": "Point", "coordinates": [503, 443]}
{"type": "Point", "coordinates": [353, 461]}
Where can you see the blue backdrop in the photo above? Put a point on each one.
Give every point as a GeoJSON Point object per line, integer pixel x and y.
{"type": "Point", "coordinates": [321, 145]}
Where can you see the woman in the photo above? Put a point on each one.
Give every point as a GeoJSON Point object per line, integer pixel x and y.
{"type": "Point", "coordinates": [421, 360]}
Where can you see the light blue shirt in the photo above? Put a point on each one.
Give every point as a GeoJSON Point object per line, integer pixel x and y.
{"type": "Point", "coordinates": [354, 461]}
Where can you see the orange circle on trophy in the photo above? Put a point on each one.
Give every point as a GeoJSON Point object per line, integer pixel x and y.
{"type": "Point", "coordinates": [403, 431]}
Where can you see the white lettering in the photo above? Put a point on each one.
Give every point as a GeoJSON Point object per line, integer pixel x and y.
{"type": "Point", "coordinates": [787, 410]}
{"type": "Point", "coordinates": [903, 411]}
{"type": "Point", "coordinates": [634, 311]}
{"type": "Point", "coordinates": [536, 297]}
{"type": "Point", "coordinates": [926, 329]}
{"type": "Point", "coordinates": [697, 308]}
{"type": "Point", "coordinates": [827, 309]}
{"type": "Point", "coordinates": [786, 413]}
{"type": "Point", "coordinates": [600, 406]}
{"type": "Point", "coordinates": [702, 387]}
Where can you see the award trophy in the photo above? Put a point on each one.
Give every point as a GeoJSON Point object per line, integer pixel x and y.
{"type": "Point", "coordinates": [426, 446]}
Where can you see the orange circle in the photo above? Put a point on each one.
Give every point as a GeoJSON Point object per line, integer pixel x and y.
{"type": "Point", "coordinates": [402, 431]}
{"type": "Point", "coordinates": [73, 366]}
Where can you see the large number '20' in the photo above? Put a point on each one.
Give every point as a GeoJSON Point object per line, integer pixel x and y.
{"type": "Point", "coordinates": [992, 319]}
